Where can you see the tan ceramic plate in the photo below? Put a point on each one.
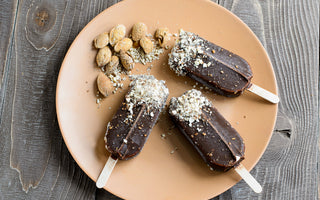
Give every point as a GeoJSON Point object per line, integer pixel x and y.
{"type": "Point", "coordinates": [156, 173]}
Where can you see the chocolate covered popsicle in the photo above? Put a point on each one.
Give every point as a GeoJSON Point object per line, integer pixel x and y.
{"type": "Point", "coordinates": [213, 66]}
{"type": "Point", "coordinates": [130, 127]}
{"type": "Point", "coordinates": [220, 145]}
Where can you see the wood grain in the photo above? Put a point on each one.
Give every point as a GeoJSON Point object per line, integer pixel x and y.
{"type": "Point", "coordinates": [35, 162]}
{"type": "Point", "coordinates": [7, 16]}
{"type": "Point", "coordinates": [289, 33]}
{"type": "Point", "coordinates": [31, 142]}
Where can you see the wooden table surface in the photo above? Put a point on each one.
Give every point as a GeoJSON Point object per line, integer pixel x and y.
{"type": "Point", "coordinates": [35, 35]}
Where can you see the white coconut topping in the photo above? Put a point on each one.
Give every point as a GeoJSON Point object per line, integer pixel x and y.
{"type": "Point", "coordinates": [139, 56]}
{"type": "Point", "coordinates": [146, 90]}
{"type": "Point", "coordinates": [188, 106]}
{"type": "Point", "coordinates": [187, 48]}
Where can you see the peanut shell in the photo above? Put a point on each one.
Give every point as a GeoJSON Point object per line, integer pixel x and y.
{"type": "Point", "coordinates": [163, 36]}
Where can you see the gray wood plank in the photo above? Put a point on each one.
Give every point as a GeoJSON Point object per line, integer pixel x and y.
{"type": "Point", "coordinates": [290, 33]}
{"type": "Point", "coordinates": [7, 16]}
{"type": "Point", "coordinates": [7, 23]}
{"type": "Point", "coordinates": [30, 140]}
{"type": "Point", "coordinates": [35, 162]}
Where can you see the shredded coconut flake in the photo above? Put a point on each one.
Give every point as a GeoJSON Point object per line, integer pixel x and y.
{"type": "Point", "coordinates": [146, 90]}
{"type": "Point", "coordinates": [188, 106]}
{"type": "Point", "coordinates": [139, 56]}
{"type": "Point", "coordinates": [187, 47]}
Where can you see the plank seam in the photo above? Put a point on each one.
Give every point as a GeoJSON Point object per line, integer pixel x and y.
{"type": "Point", "coordinates": [8, 62]}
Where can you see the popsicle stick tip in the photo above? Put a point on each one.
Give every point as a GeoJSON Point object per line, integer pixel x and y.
{"type": "Point", "coordinates": [248, 178]}
{"type": "Point", "coordinates": [106, 172]}
{"type": "Point", "coordinates": [99, 185]}
{"type": "Point", "coordinates": [269, 96]}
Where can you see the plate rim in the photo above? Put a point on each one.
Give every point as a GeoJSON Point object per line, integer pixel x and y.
{"type": "Point", "coordinates": [63, 64]}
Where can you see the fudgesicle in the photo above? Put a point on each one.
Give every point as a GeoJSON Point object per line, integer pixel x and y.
{"type": "Point", "coordinates": [130, 127]}
{"type": "Point", "coordinates": [220, 145]}
{"type": "Point", "coordinates": [213, 66]}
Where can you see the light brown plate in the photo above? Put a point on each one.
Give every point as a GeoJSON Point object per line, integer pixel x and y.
{"type": "Point", "coordinates": [156, 173]}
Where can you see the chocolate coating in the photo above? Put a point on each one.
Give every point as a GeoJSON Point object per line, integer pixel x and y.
{"type": "Point", "coordinates": [131, 126]}
{"type": "Point", "coordinates": [221, 70]}
{"type": "Point", "coordinates": [217, 142]}
{"type": "Point", "coordinates": [126, 138]}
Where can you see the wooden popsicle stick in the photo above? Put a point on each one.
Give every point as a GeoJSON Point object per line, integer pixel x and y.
{"type": "Point", "coordinates": [264, 93]}
{"type": "Point", "coordinates": [106, 172]}
{"type": "Point", "coordinates": [248, 178]}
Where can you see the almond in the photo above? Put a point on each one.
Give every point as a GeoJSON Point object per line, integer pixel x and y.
{"type": "Point", "coordinates": [139, 30]}
{"type": "Point", "coordinates": [101, 40]}
{"type": "Point", "coordinates": [103, 56]}
{"type": "Point", "coordinates": [146, 45]}
{"type": "Point", "coordinates": [125, 44]}
{"type": "Point", "coordinates": [112, 65]}
{"type": "Point", "coordinates": [104, 84]}
{"type": "Point", "coordinates": [117, 34]}
{"type": "Point", "coordinates": [126, 60]}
